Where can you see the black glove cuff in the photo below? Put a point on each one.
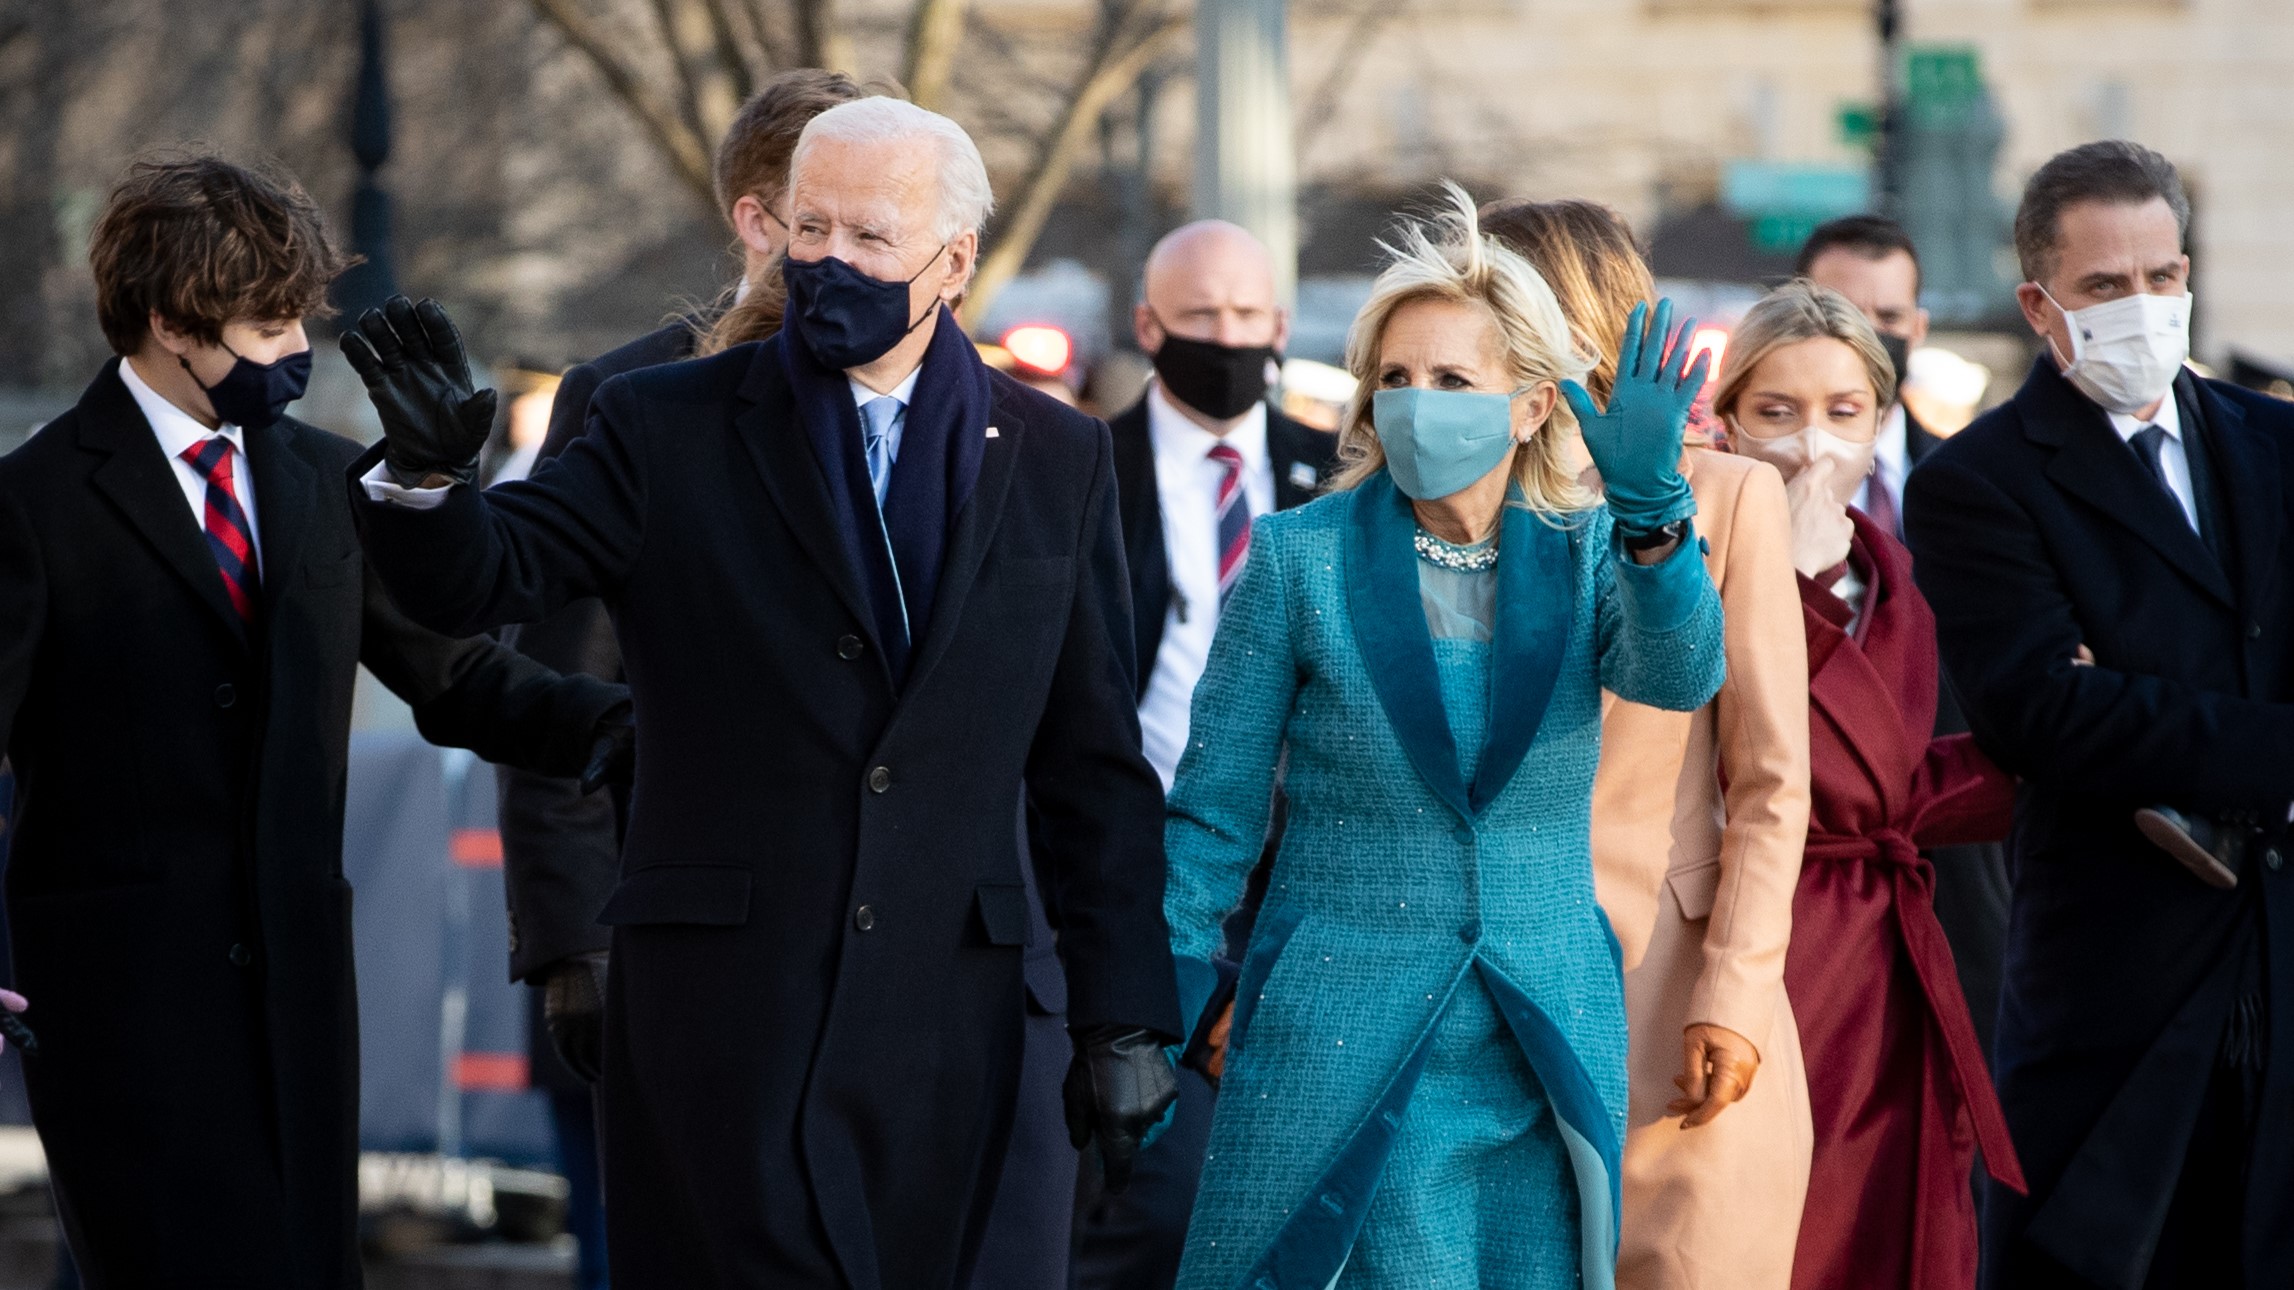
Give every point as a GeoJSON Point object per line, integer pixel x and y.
{"type": "Point", "coordinates": [429, 476]}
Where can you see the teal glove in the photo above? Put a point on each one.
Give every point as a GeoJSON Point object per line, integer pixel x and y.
{"type": "Point", "coordinates": [1636, 443]}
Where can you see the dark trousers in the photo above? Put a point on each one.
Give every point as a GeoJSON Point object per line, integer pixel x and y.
{"type": "Point", "coordinates": [575, 1117]}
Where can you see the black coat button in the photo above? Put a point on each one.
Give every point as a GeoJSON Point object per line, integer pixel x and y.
{"type": "Point", "coordinates": [2275, 860]}
{"type": "Point", "coordinates": [880, 779]}
{"type": "Point", "coordinates": [2254, 631]}
{"type": "Point", "coordinates": [864, 918]}
{"type": "Point", "coordinates": [848, 647]}
{"type": "Point", "coordinates": [226, 694]}
{"type": "Point", "coordinates": [241, 956]}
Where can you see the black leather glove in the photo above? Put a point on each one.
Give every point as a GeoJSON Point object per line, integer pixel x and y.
{"type": "Point", "coordinates": [1117, 1091]}
{"type": "Point", "coordinates": [434, 423]}
{"type": "Point", "coordinates": [613, 752]}
{"type": "Point", "coordinates": [573, 1009]}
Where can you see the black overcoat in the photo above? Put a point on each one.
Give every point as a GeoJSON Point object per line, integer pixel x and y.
{"type": "Point", "coordinates": [814, 1015]}
{"type": "Point", "coordinates": [175, 890]}
{"type": "Point", "coordinates": [2036, 531]}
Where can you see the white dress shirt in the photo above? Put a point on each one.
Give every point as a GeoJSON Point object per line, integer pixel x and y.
{"type": "Point", "coordinates": [177, 430]}
{"type": "Point", "coordinates": [1187, 484]}
{"type": "Point", "coordinates": [380, 487]}
{"type": "Point", "coordinates": [1890, 463]}
{"type": "Point", "coordinates": [2174, 459]}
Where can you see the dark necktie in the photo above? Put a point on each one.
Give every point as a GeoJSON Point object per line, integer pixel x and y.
{"type": "Point", "coordinates": [1234, 512]}
{"type": "Point", "coordinates": [1879, 503]}
{"type": "Point", "coordinates": [2147, 442]}
{"type": "Point", "coordinates": [229, 536]}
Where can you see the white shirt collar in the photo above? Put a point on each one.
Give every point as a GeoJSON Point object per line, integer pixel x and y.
{"type": "Point", "coordinates": [1894, 444]}
{"type": "Point", "coordinates": [2169, 419]}
{"type": "Point", "coordinates": [1178, 437]}
{"type": "Point", "coordinates": [862, 396]}
{"type": "Point", "coordinates": [177, 429]}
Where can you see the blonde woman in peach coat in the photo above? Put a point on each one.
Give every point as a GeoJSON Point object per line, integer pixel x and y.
{"type": "Point", "coordinates": [1698, 825]}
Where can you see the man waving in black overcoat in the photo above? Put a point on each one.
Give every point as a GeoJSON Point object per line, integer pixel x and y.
{"type": "Point", "coordinates": [867, 591]}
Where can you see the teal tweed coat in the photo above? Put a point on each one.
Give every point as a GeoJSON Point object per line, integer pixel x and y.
{"type": "Point", "coordinates": [1397, 877]}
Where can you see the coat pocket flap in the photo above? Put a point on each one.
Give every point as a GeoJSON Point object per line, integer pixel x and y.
{"type": "Point", "coordinates": [707, 895]}
{"type": "Point", "coordinates": [1004, 912]}
{"type": "Point", "coordinates": [1695, 886]}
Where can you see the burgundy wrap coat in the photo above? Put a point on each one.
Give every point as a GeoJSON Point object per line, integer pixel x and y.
{"type": "Point", "coordinates": [1898, 1089]}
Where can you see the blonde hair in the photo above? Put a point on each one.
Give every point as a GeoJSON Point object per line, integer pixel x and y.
{"type": "Point", "coordinates": [1446, 257]}
{"type": "Point", "coordinates": [1797, 311]}
{"type": "Point", "coordinates": [1586, 252]}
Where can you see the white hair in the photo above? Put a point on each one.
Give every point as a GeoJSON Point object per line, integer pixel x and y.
{"type": "Point", "coordinates": [965, 198]}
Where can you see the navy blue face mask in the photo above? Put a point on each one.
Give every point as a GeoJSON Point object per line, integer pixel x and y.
{"type": "Point", "coordinates": [846, 318]}
{"type": "Point", "coordinates": [254, 395]}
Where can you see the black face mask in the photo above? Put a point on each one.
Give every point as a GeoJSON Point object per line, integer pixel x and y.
{"type": "Point", "coordinates": [1899, 356]}
{"type": "Point", "coordinates": [846, 318]}
{"type": "Point", "coordinates": [254, 395]}
{"type": "Point", "coordinates": [1219, 381]}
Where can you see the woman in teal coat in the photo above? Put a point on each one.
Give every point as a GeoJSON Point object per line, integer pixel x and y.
{"type": "Point", "coordinates": [1424, 1063]}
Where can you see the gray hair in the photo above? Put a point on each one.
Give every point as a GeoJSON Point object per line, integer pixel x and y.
{"type": "Point", "coordinates": [2111, 170]}
{"type": "Point", "coordinates": [965, 198]}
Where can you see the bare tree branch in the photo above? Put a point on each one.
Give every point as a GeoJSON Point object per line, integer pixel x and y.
{"type": "Point", "coordinates": [1321, 106]}
{"type": "Point", "coordinates": [1117, 61]}
{"type": "Point", "coordinates": [768, 40]}
{"type": "Point", "coordinates": [820, 42]}
{"type": "Point", "coordinates": [935, 29]}
{"type": "Point", "coordinates": [689, 91]}
{"type": "Point", "coordinates": [735, 60]}
{"type": "Point", "coordinates": [681, 144]}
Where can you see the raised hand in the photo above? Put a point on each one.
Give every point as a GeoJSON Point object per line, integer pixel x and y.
{"type": "Point", "coordinates": [418, 377]}
{"type": "Point", "coordinates": [1636, 441]}
{"type": "Point", "coordinates": [1821, 529]}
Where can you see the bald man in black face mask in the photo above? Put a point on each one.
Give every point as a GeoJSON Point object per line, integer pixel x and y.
{"type": "Point", "coordinates": [1197, 457]}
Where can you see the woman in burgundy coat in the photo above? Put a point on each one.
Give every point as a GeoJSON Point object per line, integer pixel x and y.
{"type": "Point", "coordinates": [1898, 1089]}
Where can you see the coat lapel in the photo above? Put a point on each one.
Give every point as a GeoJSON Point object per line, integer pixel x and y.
{"type": "Point", "coordinates": [1533, 615]}
{"type": "Point", "coordinates": [284, 492]}
{"type": "Point", "coordinates": [142, 485]}
{"type": "Point", "coordinates": [1389, 621]}
{"type": "Point", "coordinates": [2247, 477]}
{"type": "Point", "coordinates": [968, 546]}
{"type": "Point", "coordinates": [789, 461]}
{"type": "Point", "coordinates": [2091, 462]}
{"type": "Point", "coordinates": [1845, 684]}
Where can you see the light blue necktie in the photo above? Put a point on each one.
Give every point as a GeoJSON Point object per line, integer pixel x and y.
{"type": "Point", "coordinates": [877, 417]}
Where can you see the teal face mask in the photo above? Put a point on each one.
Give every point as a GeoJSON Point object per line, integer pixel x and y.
{"type": "Point", "coordinates": [1439, 441]}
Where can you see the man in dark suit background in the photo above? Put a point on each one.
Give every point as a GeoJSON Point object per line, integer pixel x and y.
{"type": "Point", "coordinates": [185, 610]}
{"type": "Point", "coordinates": [867, 592]}
{"type": "Point", "coordinates": [1871, 260]}
{"type": "Point", "coordinates": [2121, 509]}
{"type": "Point", "coordinates": [1196, 457]}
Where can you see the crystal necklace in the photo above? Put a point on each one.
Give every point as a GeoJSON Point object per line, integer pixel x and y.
{"type": "Point", "coordinates": [1449, 555]}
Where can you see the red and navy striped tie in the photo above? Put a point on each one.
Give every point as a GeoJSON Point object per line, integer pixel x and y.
{"type": "Point", "coordinates": [1234, 520]}
{"type": "Point", "coordinates": [228, 535]}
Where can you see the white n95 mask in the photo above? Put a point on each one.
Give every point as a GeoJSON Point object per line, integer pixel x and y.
{"type": "Point", "coordinates": [1795, 452]}
{"type": "Point", "coordinates": [2125, 352]}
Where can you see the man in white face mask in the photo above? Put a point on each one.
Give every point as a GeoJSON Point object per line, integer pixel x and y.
{"type": "Point", "coordinates": [2107, 561]}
